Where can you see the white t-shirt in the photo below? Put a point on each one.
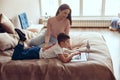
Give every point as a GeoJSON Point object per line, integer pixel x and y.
{"type": "Point", "coordinates": [51, 52]}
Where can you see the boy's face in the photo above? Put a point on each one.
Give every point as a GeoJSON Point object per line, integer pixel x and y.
{"type": "Point", "coordinates": [66, 43]}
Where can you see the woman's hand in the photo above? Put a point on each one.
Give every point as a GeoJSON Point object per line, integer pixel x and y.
{"type": "Point", "coordinates": [44, 48]}
{"type": "Point", "coordinates": [47, 46]}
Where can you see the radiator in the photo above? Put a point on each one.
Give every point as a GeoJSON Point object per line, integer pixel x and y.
{"type": "Point", "coordinates": [91, 23]}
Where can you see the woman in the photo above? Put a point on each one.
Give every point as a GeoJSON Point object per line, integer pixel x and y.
{"type": "Point", "coordinates": [55, 25]}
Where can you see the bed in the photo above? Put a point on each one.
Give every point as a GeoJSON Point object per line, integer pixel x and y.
{"type": "Point", "coordinates": [98, 67]}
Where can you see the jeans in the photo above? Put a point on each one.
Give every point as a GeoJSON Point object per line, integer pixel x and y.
{"type": "Point", "coordinates": [20, 53]}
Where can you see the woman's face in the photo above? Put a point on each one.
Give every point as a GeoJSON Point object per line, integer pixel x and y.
{"type": "Point", "coordinates": [64, 13]}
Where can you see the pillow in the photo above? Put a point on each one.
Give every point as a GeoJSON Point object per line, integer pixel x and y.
{"type": "Point", "coordinates": [7, 25]}
{"type": "Point", "coordinates": [35, 27]}
{"type": "Point", "coordinates": [6, 41]}
{"type": "Point", "coordinates": [16, 22]}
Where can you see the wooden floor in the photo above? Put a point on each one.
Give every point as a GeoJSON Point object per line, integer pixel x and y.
{"type": "Point", "coordinates": [113, 42]}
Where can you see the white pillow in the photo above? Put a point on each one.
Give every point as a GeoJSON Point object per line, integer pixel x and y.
{"type": "Point", "coordinates": [6, 41]}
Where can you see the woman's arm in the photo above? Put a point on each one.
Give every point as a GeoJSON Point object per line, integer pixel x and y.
{"type": "Point", "coordinates": [67, 29]}
{"type": "Point", "coordinates": [47, 34]}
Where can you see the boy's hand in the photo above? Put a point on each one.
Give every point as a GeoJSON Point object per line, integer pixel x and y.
{"type": "Point", "coordinates": [74, 53]}
{"type": "Point", "coordinates": [77, 52]}
{"type": "Point", "coordinates": [66, 54]}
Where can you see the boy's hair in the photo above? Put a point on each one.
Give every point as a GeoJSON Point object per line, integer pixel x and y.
{"type": "Point", "coordinates": [62, 37]}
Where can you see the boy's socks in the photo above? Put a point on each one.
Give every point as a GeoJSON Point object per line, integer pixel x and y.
{"type": "Point", "coordinates": [21, 34]}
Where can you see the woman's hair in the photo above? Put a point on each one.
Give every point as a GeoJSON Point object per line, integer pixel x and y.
{"type": "Point", "coordinates": [63, 7]}
{"type": "Point", "coordinates": [62, 37]}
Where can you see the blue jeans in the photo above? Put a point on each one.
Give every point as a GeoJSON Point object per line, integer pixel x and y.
{"type": "Point", "coordinates": [20, 53]}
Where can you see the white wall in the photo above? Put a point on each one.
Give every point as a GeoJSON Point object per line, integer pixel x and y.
{"type": "Point", "coordinates": [11, 8]}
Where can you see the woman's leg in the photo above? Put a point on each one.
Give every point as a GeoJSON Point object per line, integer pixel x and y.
{"type": "Point", "coordinates": [52, 40]}
{"type": "Point", "coordinates": [40, 40]}
{"type": "Point", "coordinates": [37, 41]}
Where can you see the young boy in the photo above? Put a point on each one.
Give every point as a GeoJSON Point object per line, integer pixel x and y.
{"type": "Point", "coordinates": [55, 50]}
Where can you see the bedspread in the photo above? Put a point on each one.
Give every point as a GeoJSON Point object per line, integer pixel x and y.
{"type": "Point", "coordinates": [98, 67]}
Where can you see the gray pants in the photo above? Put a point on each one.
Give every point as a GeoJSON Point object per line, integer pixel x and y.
{"type": "Point", "coordinates": [40, 40]}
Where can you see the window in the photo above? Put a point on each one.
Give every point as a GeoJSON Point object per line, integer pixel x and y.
{"type": "Point", "coordinates": [49, 7]}
{"type": "Point", "coordinates": [112, 7]}
{"type": "Point", "coordinates": [82, 8]}
{"type": "Point", "coordinates": [75, 6]}
{"type": "Point", "coordinates": [92, 7]}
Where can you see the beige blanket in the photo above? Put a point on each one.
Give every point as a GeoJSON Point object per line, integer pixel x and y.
{"type": "Point", "coordinates": [98, 67]}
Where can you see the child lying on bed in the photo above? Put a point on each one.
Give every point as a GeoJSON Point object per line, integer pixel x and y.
{"type": "Point", "coordinates": [55, 50]}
